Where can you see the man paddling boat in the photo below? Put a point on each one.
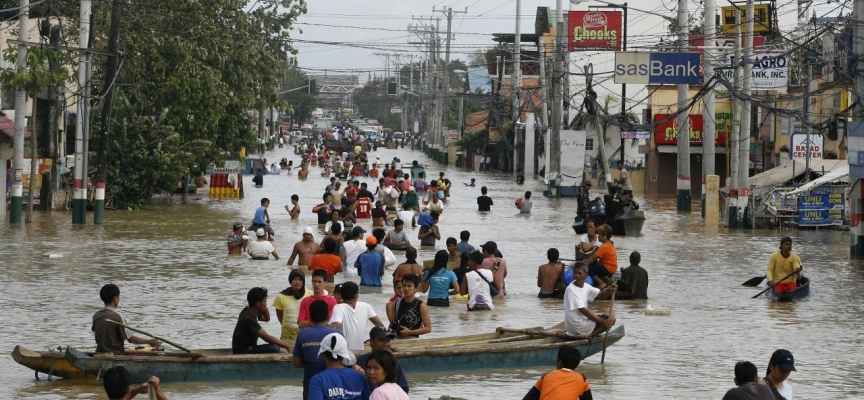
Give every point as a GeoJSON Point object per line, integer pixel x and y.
{"type": "Point", "coordinates": [110, 336]}
{"type": "Point", "coordinates": [579, 320]}
{"type": "Point", "coordinates": [784, 263]}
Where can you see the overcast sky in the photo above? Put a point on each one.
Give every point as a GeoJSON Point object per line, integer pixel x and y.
{"type": "Point", "coordinates": [367, 27]}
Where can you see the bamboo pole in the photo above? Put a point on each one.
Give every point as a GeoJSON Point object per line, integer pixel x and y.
{"type": "Point", "coordinates": [606, 338]}
{"type": "Point", "coordinates": [540, 332]}
{"type": "Point", "coordinates": [181, 347]}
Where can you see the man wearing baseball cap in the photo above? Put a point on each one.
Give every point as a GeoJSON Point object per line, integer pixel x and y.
{"type": "Point", "coordinates": [781, 365]}
{"type": "Point", "coordinates": [262, 248]}
{"type": "Point", "coordinates": [370, 264]}
{"type": "Point", "coordinates": [350, 383]}
{"type": "Point", "coordinates": [379, 340]}
{"type": "Point", "coordinates": [306, 248]}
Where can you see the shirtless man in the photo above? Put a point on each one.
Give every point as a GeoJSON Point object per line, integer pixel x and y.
{"type": "Point", "coordinates": [410, 265]}
{"type": "Point", "coordinates": [294, 208]}
{"type": "Point", "coordinates": [304, 171]}
{"type": "Point", "coordinates": [305, 248]}
{"type": "Point", "coordinates": [549, 274]}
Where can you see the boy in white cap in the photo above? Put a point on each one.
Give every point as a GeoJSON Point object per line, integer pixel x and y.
{"type": "Point", "coordinates": [261, 248]}
{"type": "Point", "coordinates": [348, 382]}
{"type": "Point", "coordinates": [305, 248]}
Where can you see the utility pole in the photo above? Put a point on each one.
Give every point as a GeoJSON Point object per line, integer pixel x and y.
{"type": "Point", "coordinates": [856, 248]}
{"type": "Point", "coordinates": [516, 91]}
{"type": "Point", "coordinates": [732, 143]}
{"type": "Point", "coordinates": [683, 184]}
{"type": "Point", "coordinates": [79, 195]}
{"type": "Point", "coordinates": [709, 136]}
{"type": "Point", "coordinates": [558, 72]}
{"type": "Point", "coordinates": [111, 64]}
{"type": "Point", "coordinates": [17, 193]}
{"type": "Point", "coordinates": [807, 119]}
{"type": "Point", "coordinates": [444, 107]}
{"type": "Point", "coordinates": [744, 143]}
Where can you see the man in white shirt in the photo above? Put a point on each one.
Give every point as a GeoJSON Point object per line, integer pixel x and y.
{"type": "Point", "coordinates": [353, 249]}
{"type": "Point", "coordinates": [352, 315]}
{"type": "Point", "coordinates": [579, 320]}
{"type": "Point", "coordinates": [262, 248]}
{"type": "Point", "coordinates": [397, 239]}
{"type": "Point", "coordinates": [475, 285]}
{"type": "Point", "coordinates": [407, 215]}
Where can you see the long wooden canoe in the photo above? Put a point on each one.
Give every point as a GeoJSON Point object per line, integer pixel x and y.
{"type": "Point", "coordinates": [801, 292]}
{"type": "Point", "coordinates": [506, 351]}
{"type": "Point", "coordinates": [52, 363]}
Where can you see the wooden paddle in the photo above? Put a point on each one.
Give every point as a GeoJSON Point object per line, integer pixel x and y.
{"type": "Point", "coordinates": [754, 281]}
{"type": "Point", "coordinates": [540, 332]}
{"type": "Point", "coordinates": [778, 282]}
{"type": "Point", "coordinates": [606, 338]}
{"type": "Point", "coordinates": [161, 339]}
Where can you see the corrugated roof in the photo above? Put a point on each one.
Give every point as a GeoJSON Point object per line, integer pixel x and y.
{"type": "Point", "coordinates": [7, 126]}
{"type": "Point", "coordinates": [788, 171]}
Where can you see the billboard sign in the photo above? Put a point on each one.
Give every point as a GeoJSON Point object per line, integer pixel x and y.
{"type": "Point", "coordinates": [666, 131]}
{"type": "Point", "coordinates": [800, 144]}
{"type": "Point", "coordinates": [761, 18]}
{"type": "Point", "coordinates": [595, 30]}
{"type": "Point", "coordinates": [770, 71]}
{"type": "Point", "coordinates": [657, 68]}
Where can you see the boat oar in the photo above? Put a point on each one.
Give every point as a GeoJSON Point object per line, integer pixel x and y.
{"type": "Point", "coordinates": [161, 339]}
{"type": "Point", "coordinates": [540, 332]}
{"type": "Point", "coordinates": [778, 282]}
{"type": "Point", "coordinates": [606, 338]}
{"type": "Point", "coordinates": [754, 281]}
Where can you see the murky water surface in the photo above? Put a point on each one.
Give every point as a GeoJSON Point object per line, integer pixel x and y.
{"type": "Point", "coordinates": [170, 263]}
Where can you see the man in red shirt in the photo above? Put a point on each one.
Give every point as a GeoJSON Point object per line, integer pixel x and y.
{"type": "Point", "coordinates": [319, 279]}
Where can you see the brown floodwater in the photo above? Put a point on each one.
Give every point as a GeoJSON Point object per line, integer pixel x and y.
{"type": "Point", "coordinates": [176, 280]}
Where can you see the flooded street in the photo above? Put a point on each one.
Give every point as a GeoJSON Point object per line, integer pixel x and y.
{"type": "Point", "coordinates": [176, 281]}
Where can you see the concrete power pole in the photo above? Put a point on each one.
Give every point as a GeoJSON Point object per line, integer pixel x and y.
{"type": "Point", "coordinates": [744, 143]}
{"type": "Point", "coordinates": [516, 91]}
{"type": "Point", "coordinates": [557, 78]}
{"type": "Point", "coordinates": [732, 143]}
{"type": "Point", "coordinates": [683, 184]}
{"type": "Point", "coordinates": [709, 137]}
{"type": "Point", "coordinates": [444, 107]}
{"type": "Point", "coordinates": [111, 64]}
{"type": "Point", "coordinates": [17, 193]}
{"type": "Point", "coordinates": [856, 248]}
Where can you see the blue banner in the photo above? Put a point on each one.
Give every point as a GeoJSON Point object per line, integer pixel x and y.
{"type": "Point", "coordinates": [657, 68]}
{"type": "Point", "coordinates": [820, 217]}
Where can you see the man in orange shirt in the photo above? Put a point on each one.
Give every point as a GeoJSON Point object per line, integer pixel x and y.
{"type": "Point", "coordinates": [328, 260]}
{"type": "Point", "coordinates": [606, 254]}
{"type": "Point", "coordinates": [564, 382]}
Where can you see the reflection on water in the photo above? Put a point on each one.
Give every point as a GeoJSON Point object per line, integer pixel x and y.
{"type": "Point", "coordinates": [176, 281]}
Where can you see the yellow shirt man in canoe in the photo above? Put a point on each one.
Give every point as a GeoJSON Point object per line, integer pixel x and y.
{"type": "Point", "coordinates": [783, 264]}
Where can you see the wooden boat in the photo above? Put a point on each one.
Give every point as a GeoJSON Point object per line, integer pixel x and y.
{"type": "Point", "coordinates": [800, 293]}
{"type": "Point", "coordinates": [51, 362]}
{"type": "Point", "coordinates": [507, 350]}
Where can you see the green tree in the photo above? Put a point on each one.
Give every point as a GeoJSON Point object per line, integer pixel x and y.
{"type": "Point", "coordinates": [192, 71]}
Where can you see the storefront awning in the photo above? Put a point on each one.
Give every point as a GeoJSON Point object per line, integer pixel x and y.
{"type": "Point", "coordinates": [840, 174]}
{"type": "Point", "coordinates": [787, 172]}
{"type": "Point", "coordinates": [666, 149]}
{"type": "Point", "coordinates": [7, 126]}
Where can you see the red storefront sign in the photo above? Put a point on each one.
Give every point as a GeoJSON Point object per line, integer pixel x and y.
{"type": "Point", "coordinates": [595, 30]}
{"type": "Point", "coordinates": [667, 130]}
